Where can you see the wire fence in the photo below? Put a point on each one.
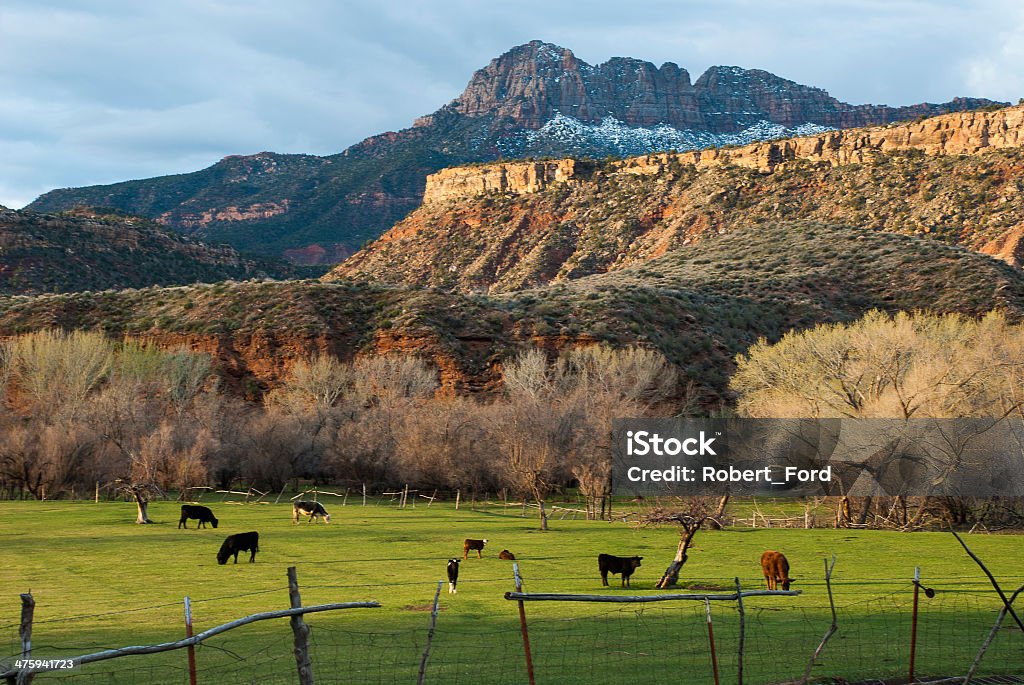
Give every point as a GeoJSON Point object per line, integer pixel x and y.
{"type": "Point", "coordinates": [594, 643]}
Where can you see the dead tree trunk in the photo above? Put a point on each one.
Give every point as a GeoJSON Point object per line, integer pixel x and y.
{"type": "Point", "coordinates": [717, 517]}
{"type": "Point", "coordinates": [671, 576]}
{"type": "Point", "coordinates": [142, 504]}
{"type": "Point", "coordinates": [140, 493]}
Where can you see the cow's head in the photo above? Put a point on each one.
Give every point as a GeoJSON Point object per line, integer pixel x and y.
{"type": "Point", "coordinates": [635, 561]}
{"type": "Point", "coordinates": [327, 517]}
{"type": "Point", "coordinates": [213, 521]}
{"type": "Point", "coordinates": [223, 556]}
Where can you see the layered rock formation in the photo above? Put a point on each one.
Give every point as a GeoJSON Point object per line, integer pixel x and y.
{"type": "Point", "coordinates": [956, 178]}
{"type": "Point", "coordinates": [512, 177]}
{"type": "Point", "coordinates": [951, 134]}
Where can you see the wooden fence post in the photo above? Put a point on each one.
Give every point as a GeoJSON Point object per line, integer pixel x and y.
{"type": "Point", "coordinates": [913, 622]}
{"type": "Point", "coordinates": [742, 640]}
{"type": "Point", "coordinates": [28, 608]}
{"type": "Point", "coordinates": [522, 625]}
{"type": "Point", "coordinates": [191, 648]}
{"type": "Point", "coordinates": [430, 634]}
{"type": "Point", "coordinates": [301, 631]}
{"type": "Point", "coordinates": [711, 640]}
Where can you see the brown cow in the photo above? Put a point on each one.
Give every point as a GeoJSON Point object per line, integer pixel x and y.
{"type": "Point", "coordinates": [776, 570]}
{"type": "Point", "coordinates": [506, 555]}
{"type": "Point", "coordinates": [470, 544]}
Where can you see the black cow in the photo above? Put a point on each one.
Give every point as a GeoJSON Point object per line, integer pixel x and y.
{"type": "Point", "coordinates": [608, 563]}
{"type": "Point", "coordinates": [310, 509]}
{"type": "Point", "coordinates": [195, 511]}
{"type": "Point", "coordinates": [453, 575]}
{"type": "Point", "coordinates": [239, 542]}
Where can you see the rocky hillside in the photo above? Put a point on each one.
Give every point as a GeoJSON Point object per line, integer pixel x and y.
{"type": "Point", "coordinates": [958, 178]}
{"type": "Point", "coordinates": [700, 306]}
{"type": "Point", "coordinates": [537, 99]}
{"type": "Point", "coordinates": [46, 253]}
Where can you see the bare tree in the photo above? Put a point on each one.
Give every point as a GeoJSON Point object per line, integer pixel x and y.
{"type": "Point", "coordinates": [602, 384]}
{"type": "Point", "coordinates": [903, 366]}
{"type": "Point", "coordinates": [45, 459]}
{"type": "Point", "coordinates": [57, 370]}
{"type": "Point", "coordinates": [444, 444]}
{"type": "Point", "coordinates": [141, 494]}
{"type": "Point", "coordinates": [316, 384]}
{"type": "Point", "coordinates": [534, 429]}
{"type": "Point", "coordinates": [690, 513]}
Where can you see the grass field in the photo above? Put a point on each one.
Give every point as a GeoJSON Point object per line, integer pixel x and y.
{"type": "Point", "coordinates": [100, 581]}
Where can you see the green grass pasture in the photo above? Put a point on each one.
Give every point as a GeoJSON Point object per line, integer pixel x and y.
{"type": "Point", "coordinates": [100, 581]}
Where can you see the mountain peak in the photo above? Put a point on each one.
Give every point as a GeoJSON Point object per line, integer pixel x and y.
{"type": "Point", "coordinates": [536, 99]}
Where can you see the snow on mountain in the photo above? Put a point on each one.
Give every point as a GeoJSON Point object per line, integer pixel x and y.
{"type": "Point", "coordinates": [564, 134]}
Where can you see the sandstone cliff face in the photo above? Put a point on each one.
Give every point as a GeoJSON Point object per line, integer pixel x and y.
{"type": "Point", "coordinates": [951, 134]}
{"type": "Point", "coordinates": [514, 177]}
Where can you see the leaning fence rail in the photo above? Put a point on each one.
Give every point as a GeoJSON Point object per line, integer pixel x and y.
{"type": "Point", "coordinates": [549, 597]}
{"type": "Point", "coordinates": [19, 675]}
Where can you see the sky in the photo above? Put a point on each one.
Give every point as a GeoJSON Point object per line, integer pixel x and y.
{"type": "Point", "coordinates": [100, 91]}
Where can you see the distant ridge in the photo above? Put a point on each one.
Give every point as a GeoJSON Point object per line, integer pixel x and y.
{"type": "Point", "coordinates": [46, 253]}
{"type": "Point", "coordinates": [536, 99]}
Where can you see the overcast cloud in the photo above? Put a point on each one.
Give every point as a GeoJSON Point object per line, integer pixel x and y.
{"type": "Point", "coordinates": [104, 91]}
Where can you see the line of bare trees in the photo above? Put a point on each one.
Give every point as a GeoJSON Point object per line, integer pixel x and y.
{"type": "Point", "coordinates": [80, 409]}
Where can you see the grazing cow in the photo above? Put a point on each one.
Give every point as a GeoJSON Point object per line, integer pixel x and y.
{"type": "Point", "coordinates": [310, 509]}
{"type": "Point", "coordinates": [608, 563]}
{"type": "Point", "coordinates": [453, 575]}
{"type": "Point", "coordinates": [471, 544]}
{"type": "Point", "coordinates": [506, 555]}
{"type": "Point", "coordinates": [239, 542]}
{"type": "Point", "coordinates": [195, 511]}
{"type": "Point", "coordinates": [776, 570]}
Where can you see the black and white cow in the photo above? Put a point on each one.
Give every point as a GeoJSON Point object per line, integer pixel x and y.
{"type": "Point", "coordinates": [453, 575]}
{"type": "Point", "coordinates": [609, 563]}
{"type": "Point", "coordinates": [310, 509]}
{"type": "Point", "coordinates": [195, 511]}
{"type": "Point", "coordinates": [239, 542]}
